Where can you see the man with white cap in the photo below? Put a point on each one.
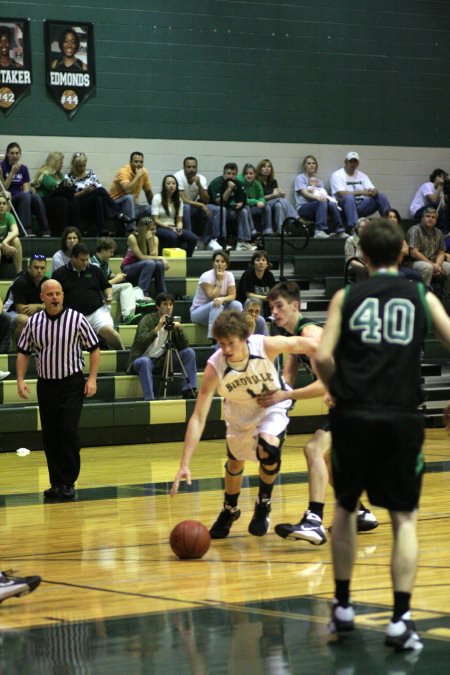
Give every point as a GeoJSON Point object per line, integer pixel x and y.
{"type": "Point", "coordinates": [355, 192]}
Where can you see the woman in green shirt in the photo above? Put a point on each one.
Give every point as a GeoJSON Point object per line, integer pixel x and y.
{"type": "Point", "coordinates": [261, 214]}
{"type": "Point", "coordinates": [10, 245]}
{"type": "Point", "coordinates": [57, 194]}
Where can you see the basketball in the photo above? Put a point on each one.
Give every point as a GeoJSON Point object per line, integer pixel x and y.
{"type": "Point", "coordinates": [190, 539]}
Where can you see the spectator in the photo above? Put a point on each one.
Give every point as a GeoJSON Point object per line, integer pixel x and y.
{"type": "Point", "coordinates": [315, 206]}
{"type": "Point", "coordinates": [87, 291]}
{"type": "Point", "coordinates": [69, 238]}
{"type": "Point", "coordinates": [257, 281]}
{"type": "Point", "coordinates": [253, 308]}
{"type": "Point", "coordinates": [167, 211]}
{"type": "Point", "coordinates": [95, 202]}
{"type": "Point", "coordinates": [406, 259]}
{"type": "Point", "coordinates": [57, 193]}
{"type": "Point", "coordinates": [215, 292]}
{"type": "Point", "coordinates": [5, 330]}
{"type": "Point", "coordinates": [256, 203]}
{"type": "Point", "coordinates": [10, 246]}
{"type": "Point", "coordinates": [227, 191]}
{"type": "Point", "coordinates": [126, 187]}
{"type": "Point", "coordinates": [355, 192]}
{"type": "Point", "coordinates": [123, 291]}
{"type": "Point", "coordinates": [150, 346]}
{"type": "Point", "coordinates": [198, 215]}
{"type": "Point", "coordinates": [16, 180]}
{"type": "Point", "coordinates": [357, 270]}
{"type": "Point", "coordinates": [427, 248]}
{"type": "Point", "coordinates": [142, 263]}
{"type": "Point", "coordinates": [432, 194]}
{"type": "Point", "coordinates": [24, 295]}
{"type": "Point", "coordinates": [280, 207]}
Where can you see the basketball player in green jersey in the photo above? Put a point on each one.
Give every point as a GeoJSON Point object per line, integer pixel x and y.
{"type": "Point", "coordinates": [369, 359]}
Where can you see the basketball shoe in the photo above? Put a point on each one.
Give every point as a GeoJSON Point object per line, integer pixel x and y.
{"type": "Point", "coordinates": [310, 529]}
{"type": "Point", "coordinates": [402, 635]}
{"type": "Point", "coordinates": [342, 618]}
{"type": "Point", "coordinates": [222, 526]}
{"type": "Point", "coordinates": [365, 520]}
{"type": "Point", "coordinates": [259, 524]}
{"type": "Point", "coordinates": [11, 586]}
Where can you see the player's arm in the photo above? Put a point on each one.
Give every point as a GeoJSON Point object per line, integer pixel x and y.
{"type": "Point", "coordinates": [323, 358]}
{"type": "Point", "coordinates": [440, 319]}
{"type": "Point", "coordinates": [196, 425]}
{"type": "Point", "coordinates": [279, 344]}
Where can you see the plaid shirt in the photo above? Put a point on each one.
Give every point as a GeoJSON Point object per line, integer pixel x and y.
{"type": "Point", "coordinates": [429, 241]}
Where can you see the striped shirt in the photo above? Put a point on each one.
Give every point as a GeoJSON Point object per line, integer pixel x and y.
{"type": "Point", "coordinates": [58, 342]}
{"type": "Point", "coordinates": [428, 240]}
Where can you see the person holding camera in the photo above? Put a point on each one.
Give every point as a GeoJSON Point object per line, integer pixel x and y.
{"type": "Point", "coordinates": [150, 345]}
{"type": "Point", "coordinates": [432, 193]}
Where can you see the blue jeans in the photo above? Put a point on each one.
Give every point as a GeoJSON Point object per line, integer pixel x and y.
{"type": "Point", "coordinates": [142, 272]}
{"type": "Point", "coordinates": [134, 211]}
{"type": "Point", "coordinates": [318, 211]}
{"type": "Point", "coordinates": [243, 221]}
{"type": "Point", "coordinates": [169, 239]}
{"type": "Point", "coordinates": [354, 210]}
{"type": "Point", "coordinates": [206, 314]}
{"type": "Point", "coordinates": [281, 209]}
{"type": "Point", "coordinates": [144, 366]}
{"type": "Point", "coordinates": [28, 203]}
{"type": "Point", "coordinates": [208, 227]}
{"type": "Point", "coordinates": [265, 215]}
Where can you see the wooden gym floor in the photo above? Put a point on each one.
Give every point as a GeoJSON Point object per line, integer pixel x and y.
{"type": "Point", "coordinates": [115, 599]}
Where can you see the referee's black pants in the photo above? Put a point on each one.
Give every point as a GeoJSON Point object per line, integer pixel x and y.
{"type": "Point", "coordinates": [60, 404]}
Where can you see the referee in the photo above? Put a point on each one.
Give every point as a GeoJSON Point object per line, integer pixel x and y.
{"type": "Point", "coordinates": [58, 336]}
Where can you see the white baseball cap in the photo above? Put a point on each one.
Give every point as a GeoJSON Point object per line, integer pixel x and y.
{"type": "Point", "coordinates": [352, 155]}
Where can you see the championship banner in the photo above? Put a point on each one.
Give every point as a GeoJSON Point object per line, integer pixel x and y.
{"type": "Point", "coordinates": [70, 63]}
{"type": "Point", "coordinates": [15, 61]}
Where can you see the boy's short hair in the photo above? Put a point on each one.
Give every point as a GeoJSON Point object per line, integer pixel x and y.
{"type": "Point", "coordinates": [230, 323]}
{"type": "Point", "coordinates": [382, 241]}
{"type": "Point", "coordinates": [163, 297]}
{"type": "Point", "coordinates": [288, 290]}
{"type": "Point", "coordinates": [105, 244]}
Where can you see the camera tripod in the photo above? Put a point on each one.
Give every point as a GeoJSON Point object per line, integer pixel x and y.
{"type": "Point", "coordinates": [168, 373]}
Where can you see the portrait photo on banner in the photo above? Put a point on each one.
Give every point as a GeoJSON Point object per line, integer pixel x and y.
{"type": "Point", "coordinates": [15, 61]}
{"type": "Point", "coordinates": [70, 62]}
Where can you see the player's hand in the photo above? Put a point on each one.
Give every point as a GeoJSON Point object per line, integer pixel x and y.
{"type": "Point", "coordinates": [329, 400]}
{"type": "Point", "coordinates": [271, 398]}
{"type": "Point", "coordinates": [183, 472]}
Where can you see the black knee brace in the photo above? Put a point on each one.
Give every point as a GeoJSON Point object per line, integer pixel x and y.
{"type": "Point", "coordinates": [274, 457]}
{"type": "Point", "coordinates": [239, 473]}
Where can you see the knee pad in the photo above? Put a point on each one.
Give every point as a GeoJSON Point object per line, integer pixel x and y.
{"type": "Point", "coordinates": [230, 473]}
{"type": "Point", "coordinates": [274, 457]}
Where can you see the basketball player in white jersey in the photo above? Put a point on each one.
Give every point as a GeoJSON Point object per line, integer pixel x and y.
{"type": "Point", "coordinates": [242, 369]}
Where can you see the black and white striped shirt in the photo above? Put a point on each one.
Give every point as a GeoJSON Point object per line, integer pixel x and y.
{"type": "Point", "coordinates": [58, 342]}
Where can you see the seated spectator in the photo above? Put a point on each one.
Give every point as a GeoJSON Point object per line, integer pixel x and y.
{"type": "Point", "coordinates": [355, 192]}
{"type": "Point", "coordinates": [253, 308]}
{"type": "Point", "coordinates": [316, 207]}
{"type": "Point", "coordinates": [142, 263]}
{"type": "Point", "coordinates": [280, 207]}
{"type": "Point", "coordinates": [432, 194]}
{"type": "Point", "coordinates": [427, 248]}
{"type": "Point", "coordinates": [5, 331]}
{"type": "Point", "coordinates": [167, 211]}
{"type": "Point", "coordinates": [95, 202]}
{"type": "Point", "coordinates": [260, 213]}
{"type": "Point", "coordinates": [198, 215]}
{"type": "Point", "coordinates": [87, 291]}
{"type": "Point", "coordinates": [23, 298]}
{"type": "Point", "coordinates": [123, 291]}
{"type": "Point", "coordinates": [69, 238]}
{"type": "Point", "coordinates": [406, 259]}
{"type": "Point", "coordinates": [357, 269]}
{"type": "Point", "coordinates": [226, 191]}
{"type": "Point", "coordinates": [127, 185]}
{"type": "Point", "coordinates": [315, 189]}
{"type": "Point", "coordinates": [10, 246]}
{"type": "Point", "coordinates": [16, 180]}
{"type": "Point", "coordinates": [215, 292]}
{"type": "Point", "coordinates": [257, 281]}
{"type": "Point", "coordinates": [150, 346]}
{"type": "Point", "coordinates": [57, 193]}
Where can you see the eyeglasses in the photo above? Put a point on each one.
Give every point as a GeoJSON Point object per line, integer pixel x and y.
{"type": "Point", "coordinates": [38, 256]}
